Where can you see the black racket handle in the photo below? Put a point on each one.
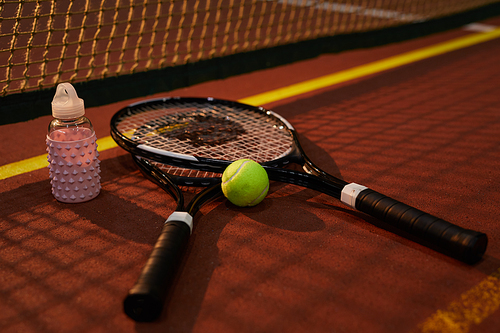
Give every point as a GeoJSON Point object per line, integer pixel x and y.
{"type": "Point", "coordinates": [144, 301]}
{"type": "Point", "coordinates": [463, 244]}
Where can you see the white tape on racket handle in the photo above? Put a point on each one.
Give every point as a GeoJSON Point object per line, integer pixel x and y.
{"type": "Point", "coordinates": [181, 217]}
{"type": "Point", "coordinates": [167, 153]}
{"type": "Point", "coordinates": [350, 192]}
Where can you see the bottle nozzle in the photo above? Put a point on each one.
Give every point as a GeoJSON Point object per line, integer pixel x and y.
{"type": "Point", "coordinates": [66, 103]}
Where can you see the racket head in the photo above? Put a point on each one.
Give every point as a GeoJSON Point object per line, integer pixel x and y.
{"type": "Point", "coordinates": [204, 133]}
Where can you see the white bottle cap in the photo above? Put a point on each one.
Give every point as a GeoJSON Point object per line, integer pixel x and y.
{"type": "Point", "coordinates": [66, 104]}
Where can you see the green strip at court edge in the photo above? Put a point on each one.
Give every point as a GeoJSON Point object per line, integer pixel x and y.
{"type": "Point", "coordinates": [39, 162]}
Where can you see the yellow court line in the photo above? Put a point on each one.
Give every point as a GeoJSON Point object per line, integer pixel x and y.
{"type": "Point", "coordinates": [472, 307]}
{"type": "Point", "coordinates": [371, 68]}
{"type": "Point", "coordinates": [39, 162]}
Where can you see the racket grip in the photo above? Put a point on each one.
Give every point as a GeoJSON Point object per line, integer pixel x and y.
{"type": "Point", "coordinates": [144, 301]}
{"type": "Point", "coordinates": [463, 244]}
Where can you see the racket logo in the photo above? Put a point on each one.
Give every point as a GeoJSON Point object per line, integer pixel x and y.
{"type": "Point", "coordinates": [171, 127]}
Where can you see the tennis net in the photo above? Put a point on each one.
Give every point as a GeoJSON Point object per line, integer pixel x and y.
{"type": "Point", "coordinates": [43, 43]}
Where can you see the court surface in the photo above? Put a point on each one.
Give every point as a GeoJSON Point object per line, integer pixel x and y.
{"type": "Point", "coordinates": [426, 132]}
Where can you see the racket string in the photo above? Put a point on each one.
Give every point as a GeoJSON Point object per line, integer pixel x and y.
{"type": "Point", "coordinates": [251, 134]}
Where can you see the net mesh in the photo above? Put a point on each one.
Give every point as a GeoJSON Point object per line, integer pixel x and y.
{"type": "Point", "coordinates": [43, 43]}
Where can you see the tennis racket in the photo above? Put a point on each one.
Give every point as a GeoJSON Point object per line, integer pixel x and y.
{"type": "Point", "coordinates": [145, 299]}
{"type": "Point", "coordinates": [207, 134]}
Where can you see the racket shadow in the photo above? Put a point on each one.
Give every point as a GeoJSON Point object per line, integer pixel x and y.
{"type": "Point", "coordinates": [279, 211]}
{"type": "Point", "coordinates": [185, 298]}
{"type": "Point", "coordinates": [321, 157]}
{"type": "Point", "coordinates": [406, 239]}
{"type": "Point", "coordinates": [187, 294]}
{"type": "Point", "coordinates": [125, 190]}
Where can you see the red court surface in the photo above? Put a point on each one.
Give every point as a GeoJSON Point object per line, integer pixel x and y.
{"type": "Point", "coordinates": [427, 133]}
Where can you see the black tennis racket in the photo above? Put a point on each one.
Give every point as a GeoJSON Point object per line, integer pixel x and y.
{"type": "Point", "coordinates": [145, 299]}
{"type": "Point", "coordinates": [207, 134]}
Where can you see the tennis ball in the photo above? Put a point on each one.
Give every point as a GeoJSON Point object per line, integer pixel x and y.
{"type": "Point", "coordinates": [245, 183]}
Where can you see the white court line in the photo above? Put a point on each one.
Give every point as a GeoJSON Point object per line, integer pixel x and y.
{"type": "Point", "coordinates": [479, 27]}
{"type": "Point", "coordinates": [359, 10]}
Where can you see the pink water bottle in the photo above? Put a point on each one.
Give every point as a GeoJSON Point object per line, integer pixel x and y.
{"type": "Point", "coordinates": [71, 144]}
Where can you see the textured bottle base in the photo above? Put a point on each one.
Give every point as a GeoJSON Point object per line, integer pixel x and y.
{"type": "Point", "coordinates": [74, 165]}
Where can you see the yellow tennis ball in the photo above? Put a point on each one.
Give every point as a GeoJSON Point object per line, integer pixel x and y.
{"type": "Point", "coordinates": [245, 183]}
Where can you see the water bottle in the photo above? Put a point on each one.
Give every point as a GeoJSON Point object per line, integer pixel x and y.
{"type": "Point", "coordinates": [72, 149]}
